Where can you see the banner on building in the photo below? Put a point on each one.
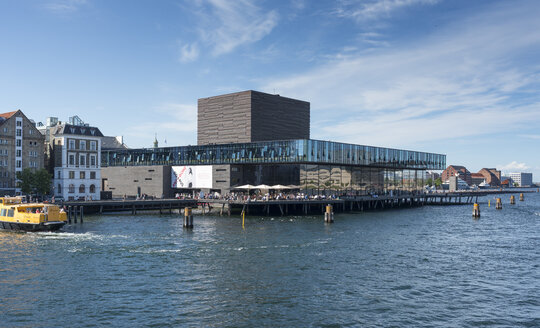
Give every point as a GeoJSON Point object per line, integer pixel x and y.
{"type": "Point", "coordinates": [196, 177]}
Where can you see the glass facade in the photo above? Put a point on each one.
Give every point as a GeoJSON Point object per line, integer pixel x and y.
{"type": "Point", "coordinates": [291, 151]}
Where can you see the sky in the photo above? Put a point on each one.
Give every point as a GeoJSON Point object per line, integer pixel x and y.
{"type": "Point", "coordinates": [461, 78]}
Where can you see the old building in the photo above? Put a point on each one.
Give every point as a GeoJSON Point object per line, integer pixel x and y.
{"type": "Point", "coordinates": [492, 176]}
{"type": "Point", "coordinates": [457, 170]}
{"type": "Point", "coordinates": [74, 157]}
{"type": "Point", "coordinates": [21, 146]}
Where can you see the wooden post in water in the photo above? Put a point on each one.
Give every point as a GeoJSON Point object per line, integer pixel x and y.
{"type": "Point", "coordinates": [498, 204]}
{"type": "Point", "coordinates": [329, 214]}
{"type": "Point", "coordinates": [476, 211]}
{"type": "Point", "coordinates": [81, 208]}
{"type": "Point", "coordinates": [74, 214]}
{"type": "Point", "coordinates": [521, 197]}
{"type": "Point", "coordinates": [512, 200]}
{"type": "Point", "coordinates": [188, 218]}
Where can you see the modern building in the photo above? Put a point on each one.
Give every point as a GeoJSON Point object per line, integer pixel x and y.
{"type": "Point", "coordinates": [265, 148]}
{"type": "Point", "coordinates": [74, 158]}
{"type": "Point", "coordinates": [251, 116]}
{"type": "Point", "coordinates": [522, 179]}
{"type": "Point", "coordinates": [21, 146]}
{"type": "Point", "coordinates": [456, 170]}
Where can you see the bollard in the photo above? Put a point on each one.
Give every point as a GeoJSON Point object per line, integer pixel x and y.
{"type": "Point", "coordinates": [498, 205]}
{"type": "Point", "coordinates": [81, 209]}
{"type": "Point", "coordinates": [521, 197]}
{"type": "Point", "coordinates": [489, 202]}
{"type": "Point", "coordinates": [476, 211]}
{"type": "Point", "coordinates": [74, 214]}
{"type": "Point", "coordinates": [512, 200]}
{"type": "Point", "coordinates": [329, 215]}
{"type": "Point", "coordinates": [188, 218]}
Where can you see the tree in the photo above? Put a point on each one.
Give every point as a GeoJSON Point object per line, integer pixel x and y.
{"type": "Point", "coordinates": [32, 181]}
{"type": "Point", "coordinates": [25, 182]}
{"type": "Point", "coordinates": [429, 182]}
{"type": "Point", "coordinates": [438, 182]}
{"type": "Point", "coordinates": [42, 182]}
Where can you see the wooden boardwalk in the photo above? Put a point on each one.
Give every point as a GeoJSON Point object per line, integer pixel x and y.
{"type": "Point", "coordinates": [280, 207]}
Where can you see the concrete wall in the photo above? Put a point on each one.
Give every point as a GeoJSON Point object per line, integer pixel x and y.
{"type": "Point", "coordinates": [250, 116]}
{"type": "Point", "coordinates": [151, 180]}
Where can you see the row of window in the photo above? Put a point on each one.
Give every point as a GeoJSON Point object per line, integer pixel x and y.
{"type": "Point", "coordinates": [71, 175]}
{"type": "Point", "coordinates": [18, 163]}
{"type": "Point", "coordinates": [82, 189]}
{"type": "Point", "coordinates": [19, 143]}
{"type": "Point", "coordinates": [82, 144]}
{"type": "Point", "coordinates": [82, 159]}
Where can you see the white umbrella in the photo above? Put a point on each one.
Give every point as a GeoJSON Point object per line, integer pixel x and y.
{"type": "Point", "coordinates": [278, 187]}
{"type": "Point", "coordinates": [246, 186]}
{"type": "Point", "coordinates": [262, 186]}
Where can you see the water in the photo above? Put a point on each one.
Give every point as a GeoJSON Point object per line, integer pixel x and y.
{"type": "Point", "coordinates": [421, 267]}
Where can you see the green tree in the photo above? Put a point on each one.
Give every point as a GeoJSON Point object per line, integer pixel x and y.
{"type": "Point", "coordinates": [42, 182]}
{"type": "Point", "coordinates": [25, 182]}
{"type": "Point", "coordinates": [429, 182]}
{"type": "Point", "coordinates": [438, 182]}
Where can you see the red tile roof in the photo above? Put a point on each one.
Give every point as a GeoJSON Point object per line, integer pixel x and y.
{"type": "Point", "coordinates": [8, 115]}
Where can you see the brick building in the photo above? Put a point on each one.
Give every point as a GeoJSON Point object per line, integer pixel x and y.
{"type": "Point", "coordinates": [492, 176]}
{"type": "Point", "coordinates": [457, 170]}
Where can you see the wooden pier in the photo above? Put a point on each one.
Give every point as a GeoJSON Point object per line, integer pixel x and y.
{"type": "Point", "coordinates": [278, 207]}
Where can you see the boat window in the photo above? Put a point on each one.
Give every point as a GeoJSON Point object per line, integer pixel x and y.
{"type": "Point", "coordinates": [3, 212]}
{"type": "Point", "coordinates": [11, 213]}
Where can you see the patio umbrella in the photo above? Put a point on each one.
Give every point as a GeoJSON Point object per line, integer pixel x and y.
{"type": "Point", "coordinates": [262, 186]}
{"type": "Point", "coordinates": [279, 187]}
{"type": "Point", "coordinates": [246, 186]}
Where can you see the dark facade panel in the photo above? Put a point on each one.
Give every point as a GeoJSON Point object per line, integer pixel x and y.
{"type": "Point", "coordinates": [251, 116]}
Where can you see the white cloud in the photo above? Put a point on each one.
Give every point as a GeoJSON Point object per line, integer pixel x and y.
{"type": "Point", "coordinates": [189, 52]}
{"type": "Point", "coordinates": [513, 167]}
{"type": "Point", "coordinates": [64, 6]}
{"type": "Point", "coordinates": [225, 25]}
{"type": "Point", "coordinates": [370, 10]}
{"type": "Point", "coordinates": [459, 81]}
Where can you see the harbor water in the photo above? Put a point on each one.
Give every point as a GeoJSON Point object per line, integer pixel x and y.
{"type": "Point", "coordinates": [432, 266]}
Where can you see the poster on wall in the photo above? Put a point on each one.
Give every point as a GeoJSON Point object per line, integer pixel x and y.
{"type": "Point", "coordinates": [185, 177]}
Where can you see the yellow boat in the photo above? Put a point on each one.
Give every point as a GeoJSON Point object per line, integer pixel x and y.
{"type": "Point", "coordinates": [16, 215]}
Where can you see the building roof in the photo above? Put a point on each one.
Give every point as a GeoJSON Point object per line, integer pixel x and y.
{"type": "Point", "coordinates": [477, 175]}
{"type": "Point", "coordinates": [112, 143]}
{"type": "Point", "coordinates": [8, 114]}
{"type": "Point", "coordinates": [77, 130]}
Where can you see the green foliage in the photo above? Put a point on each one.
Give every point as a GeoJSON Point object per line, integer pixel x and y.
{"type": "Point", "coordinates": [438, 182]}
{"type": "Point", "coordinates": [34, 181]}
{"type": "Point", "coordinates": [429, 182]}
{"type": "Point", "coordinates": [26, 180]}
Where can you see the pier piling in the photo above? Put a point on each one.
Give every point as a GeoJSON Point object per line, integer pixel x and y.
{"type": "Point", "coordinates": [188, 218]}
{"type": "Point", "coordinates": [498, 204]}
{"type": "Point", "coordinates": [521, 197]}
{"type": "Point", "coordinates": [512, 200]}
{"type": "Point", "coordinates": [476, 211]}
{"type": "Point", "coordinates": [329, 214]}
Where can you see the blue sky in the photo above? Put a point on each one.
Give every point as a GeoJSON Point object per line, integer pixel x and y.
{"type": "Point", "coordinates": [455, 77]}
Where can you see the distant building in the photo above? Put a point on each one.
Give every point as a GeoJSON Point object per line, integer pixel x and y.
{"type": "Point", "coordinates": [522, 179]}
{"type": "Point", "coordinates": [478, 179]}
{"type": "Point", "coordinates": [74, 158]}
{"type": "Point", "coordinates": [492, 176]}
{"type": "Point", "coordinates": [459, 171]}
{"type": "Point", "coordinates": [111, 143]}
{"type": "Point", "coordinates": [21, 146]}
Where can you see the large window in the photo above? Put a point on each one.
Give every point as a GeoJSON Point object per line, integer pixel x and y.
{"type": "Point", "coordinates": [93, 160]}
{"type": "Point", "coordinates": [82, 174]}
{"type": "Point", "coordinates": [93, 145]}
{"type": "Point", "coordinates": [71, 143]}
{"type": "Point", "coordinates": [92, 189]}
{"type": "Point", "coordinates": [71, 189]}
{"type": "Point", "coordinates": [82, 160]}
{"type": "Point", "coordinates": [82, 144]}
{"type": "Point", "coordinates": [82, 189]}
{"type": "Point", "coordinates": [72, 174]}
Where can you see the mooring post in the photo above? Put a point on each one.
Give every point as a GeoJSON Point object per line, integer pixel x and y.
{"type": "Point", "coordinates": [476, 211]}
{"type": "Point", "coordinates": [512, 200]}
{"type": "Point", "coordinates": [498, 204]}
{"type": "Point", "coordinates": [82, 213]}
{"type": "Point", "coordinates": [69, 214]}
{"type": "Point", "coordinates": [329, 214]}
{"type": "Point", "coordinates": [188, 218]}
{"type": "Point", "coordinates": [521, 197]}
{"type": "Point", "coordinates": [74, 214]}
